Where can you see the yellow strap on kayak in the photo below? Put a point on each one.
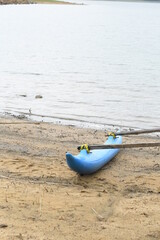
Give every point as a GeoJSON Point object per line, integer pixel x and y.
{"type": "Point", "coordinates": [112, 134]}
{"type": "Point", "coordinates": [85, 146]}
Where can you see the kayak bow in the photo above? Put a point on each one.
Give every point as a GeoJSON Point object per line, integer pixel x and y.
{"type": "Point", "coordinates": [87, 163]}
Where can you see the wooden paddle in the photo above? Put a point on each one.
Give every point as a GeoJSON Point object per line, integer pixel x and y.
{"type": "Point", "coordinates": [135, 132]}
{"type": "Point", "coordinates": [118, 146]}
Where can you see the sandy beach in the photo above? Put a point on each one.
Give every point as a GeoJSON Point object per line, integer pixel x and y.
{"type": "Point", "coordinates": [41, 198]}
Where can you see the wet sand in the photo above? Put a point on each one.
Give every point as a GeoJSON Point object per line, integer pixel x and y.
{"type": "Point", "coordinates": [41, 198]}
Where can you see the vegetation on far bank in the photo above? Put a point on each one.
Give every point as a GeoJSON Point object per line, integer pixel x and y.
{"type": "Point", "coordinates": [5, 2]}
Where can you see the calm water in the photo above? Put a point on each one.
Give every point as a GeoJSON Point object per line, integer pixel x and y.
{"type": "Point", "coordinates": [95, 65]}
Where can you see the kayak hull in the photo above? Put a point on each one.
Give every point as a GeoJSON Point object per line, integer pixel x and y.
{"type": "Point", "coordinates": [87, 163]}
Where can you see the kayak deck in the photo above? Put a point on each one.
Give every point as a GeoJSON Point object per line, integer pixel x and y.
{"type": "Point", "coordinates": [87, 163]}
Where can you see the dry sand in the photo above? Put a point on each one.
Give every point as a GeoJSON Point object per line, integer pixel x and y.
{"type": "Point", "coordinates": [42, 199]}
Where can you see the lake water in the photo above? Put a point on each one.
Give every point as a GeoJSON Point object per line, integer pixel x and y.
{"type": "Point", "coordinates": [96, 65]}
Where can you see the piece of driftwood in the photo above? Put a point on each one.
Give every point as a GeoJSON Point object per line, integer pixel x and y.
{"type": "Point", "coordinates": [4, 123]}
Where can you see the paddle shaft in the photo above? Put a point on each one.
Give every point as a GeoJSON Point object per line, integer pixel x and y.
{"type": "Point", "coordinates": [136, 132]}
{"type": "Point", "coordinates": [118, 146]}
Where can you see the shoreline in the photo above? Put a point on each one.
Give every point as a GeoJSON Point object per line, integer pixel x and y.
{"type": "Point", "coordinates": [61, 121]}
{"type": "Point", "coordinates": [40, 197]}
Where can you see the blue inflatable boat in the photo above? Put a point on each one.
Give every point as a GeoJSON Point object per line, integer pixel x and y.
{"type": "Point", "coordinates": [87, 163]}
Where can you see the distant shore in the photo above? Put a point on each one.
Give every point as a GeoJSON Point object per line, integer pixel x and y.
{"type": "Point", "coordinates": [7, 2]}
{"type": "Point", "coordinates": [54, 2]}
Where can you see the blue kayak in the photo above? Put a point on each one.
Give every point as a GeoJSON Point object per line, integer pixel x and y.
{"type": "Point", "coordinates": [87, 163]}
